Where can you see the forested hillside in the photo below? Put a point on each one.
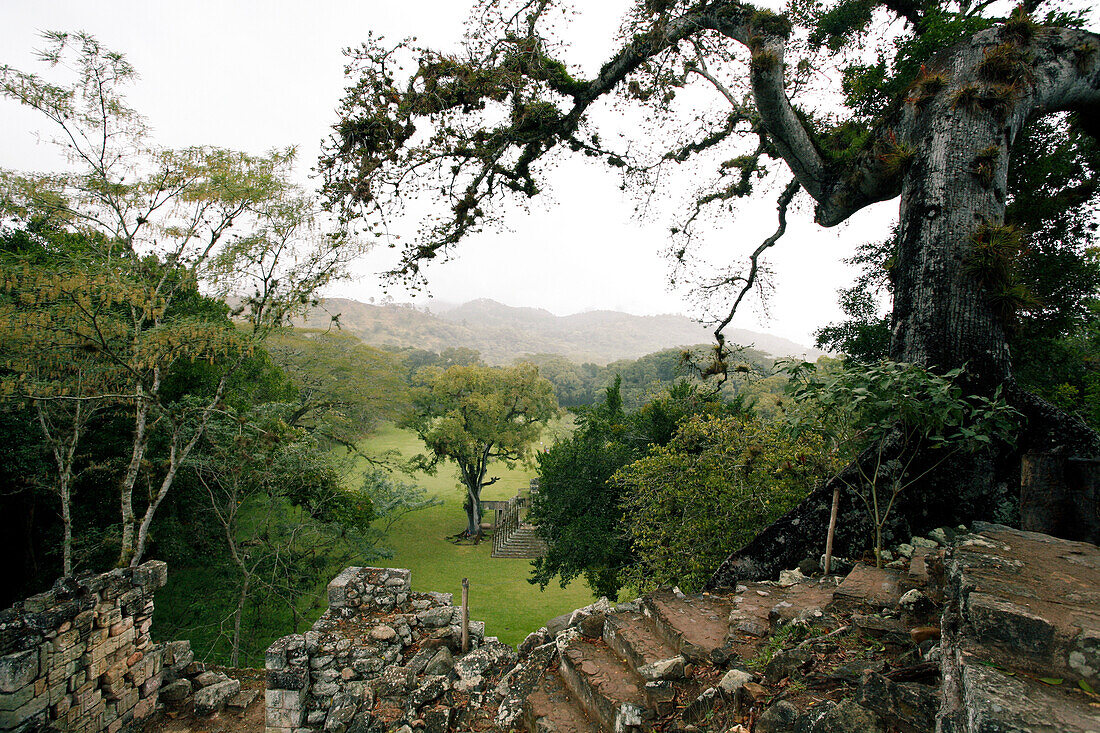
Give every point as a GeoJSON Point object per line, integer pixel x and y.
{"type": "Point", "coordinates": [502, 333]}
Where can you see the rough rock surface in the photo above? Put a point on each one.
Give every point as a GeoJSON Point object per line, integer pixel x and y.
{"type": "Point", "coordinates": [212, 698]}
{"type": "Point", "coordinates": [1020, 602]}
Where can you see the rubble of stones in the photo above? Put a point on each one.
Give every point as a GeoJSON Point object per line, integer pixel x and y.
{"type": "Point", "coordinates": [381, 657]}
{"type": "Point", "coordinates": [79, 657]}
{"type": "Point", "coordinates": [187, 682]}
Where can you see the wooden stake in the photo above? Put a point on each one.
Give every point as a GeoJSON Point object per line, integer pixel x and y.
{"type": "Point", "coordinates": [832, 531]}
{"type": "Point", "coordinates": [465, 615]}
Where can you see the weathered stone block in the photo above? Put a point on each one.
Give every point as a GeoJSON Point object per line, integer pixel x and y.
{"type": "Point", "coordinates": [909, 707]}
{"type": "Point", "coordinates": [287, 718]}
{"type": "Point", "coordinates": [870, 586]}
{"type": "Point", "coordinates": [32, 709]}
{"type": "Point", "coordinates": [665, 669]}
{"type": "Point", "coordinates": [144, 708]}
{"type": "Point", "coordinates": [127, 699]}
{"type": "Point", "coordinates": [442, 662]}
{"type": "Point", "coordinates": [437, 718]}
{"type": "Point", "coordinates": [997, 621]}
{"type": "Point", "coordinates": [435, 618]}
{"type": "Point", "coordinates": [287, 679]}
{"type": "Point", "coordinates": [18, 669]}
{"type": "Point", "coordinates": [121, 626]}
{"type": "Point", "coordinates": [431, 689]}
{"type": "Point", "coordinates": [344, 707]}
{"type": "Point", "coordinates": [17, 698]}
{"type": "Point", "coordinates": [176, 692]}
{"type": "Point", "coordinates": [211, 699]}
{"type": "Point", "coordinates": [150, 686]}
{"type": "Point", "coordinates": [151, 575]}
{"type": "Point", "coordinates": [338, 588]}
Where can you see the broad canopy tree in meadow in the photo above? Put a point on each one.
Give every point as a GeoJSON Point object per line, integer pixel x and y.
{"type": "Point", "coordinates": [475, 415]}
{"type": "Point", "coordinates": [931, 99]}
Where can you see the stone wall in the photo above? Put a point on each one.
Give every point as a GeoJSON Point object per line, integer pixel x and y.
{"type": "Point", "coordinates": [79, 657]}
{"type": "Point", "coordinates": [377, 641]}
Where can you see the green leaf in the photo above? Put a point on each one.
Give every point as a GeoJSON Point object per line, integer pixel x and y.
{"type": "Point", "coordinates": [1051, 680]}
{"type": "Point", "coordinates": [1086, 687]}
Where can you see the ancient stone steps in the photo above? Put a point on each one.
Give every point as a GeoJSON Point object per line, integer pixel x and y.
{"type": "Point", "coordinates": [694, 626]}
{"type": "Point", "coordinates": [524, 542]}
{"type": "Point", "coordinates": [551, 708]}
{"type": "Point", "coordinates": [607, 687]}
{"type": "Point", "coordinates": [634, 638]}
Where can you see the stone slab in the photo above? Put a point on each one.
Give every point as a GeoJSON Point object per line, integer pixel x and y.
{"type": "Point", "coordinates": [869, 586]}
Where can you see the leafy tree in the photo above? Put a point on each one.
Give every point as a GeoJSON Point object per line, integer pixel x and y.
{"type": "Point", "coordinates": [688, 504]}
{"type": "Point", "coordinates": [153, 223]}
{"type": "Point", "coordinates": [271, 490]}
{"type": "Point", "coordinates": [578, 508]}
{"type": "Point", "coordinates": [933, 96]}
{"type": "Point", "coordinates": [574, 384]}
{"type": "Point", "coordinates": [575, 509]}
{"type": "Point", "coordinates": [473, 415]}
{"type": "Point", "coordinates": [344, 387]}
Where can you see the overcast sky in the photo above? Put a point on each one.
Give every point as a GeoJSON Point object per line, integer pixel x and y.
{"type": "Point", "coordinates": [257, 75]}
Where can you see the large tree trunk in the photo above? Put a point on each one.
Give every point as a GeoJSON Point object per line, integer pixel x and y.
{"type": "Point", "coordinates": [948, 310]}
{"type": "Point", "coordinates": [473, 511]}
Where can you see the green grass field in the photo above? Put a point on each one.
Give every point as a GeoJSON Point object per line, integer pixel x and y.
{"type": "Point", "coordinates": [499, 592]}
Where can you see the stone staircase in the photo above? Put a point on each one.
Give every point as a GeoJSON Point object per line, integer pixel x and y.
{"type": "Point", "coordinates": [660, 662]}
{"type": "Point", "coordinates": [624, 669]}
{"type": "Point", "coordinates": [1020, 650]}
{"type": "Point", "coordinates": [521, 542]}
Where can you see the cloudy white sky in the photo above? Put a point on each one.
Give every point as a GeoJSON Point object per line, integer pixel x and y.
{"type": "Point", "coordinates": [255, 75]}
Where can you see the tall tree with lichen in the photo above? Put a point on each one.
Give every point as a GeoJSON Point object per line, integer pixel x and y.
{"type": "Point", "coordinates": [929, 119]}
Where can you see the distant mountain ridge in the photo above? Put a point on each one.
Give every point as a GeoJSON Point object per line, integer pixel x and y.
{"type": "Point", "coordinates": [504, 333]}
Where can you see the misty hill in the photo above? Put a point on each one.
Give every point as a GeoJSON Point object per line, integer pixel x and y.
{"type": "Point", "coordinates": [502, 333]}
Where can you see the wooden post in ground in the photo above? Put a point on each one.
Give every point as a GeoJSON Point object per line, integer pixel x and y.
{"type": "Point", "coordinates": [465, 615]}
{"type": "Point", "coordinates": [832, 532]}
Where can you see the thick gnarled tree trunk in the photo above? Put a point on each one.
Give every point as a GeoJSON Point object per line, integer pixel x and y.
{"type": "Point", "coordinates": [951, 151]}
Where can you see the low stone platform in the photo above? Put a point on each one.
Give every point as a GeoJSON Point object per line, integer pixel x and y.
{"type": "Point", "coordinates": [1021, 648]}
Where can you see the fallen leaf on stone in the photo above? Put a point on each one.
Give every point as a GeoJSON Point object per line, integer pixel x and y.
{"type": "Point", "coordinates": [1051, 680]}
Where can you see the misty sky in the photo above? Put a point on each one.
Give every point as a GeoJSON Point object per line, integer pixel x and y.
{"type": "Point", "coordinates": [257, 75]}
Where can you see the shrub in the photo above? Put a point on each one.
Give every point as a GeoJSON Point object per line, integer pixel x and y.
{"type": "Point", "coordinates": [719, 481]}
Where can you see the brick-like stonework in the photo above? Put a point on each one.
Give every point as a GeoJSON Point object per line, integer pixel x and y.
{"type": "Point", "coordinates": [377, 639]}
{"type": "Point", "coordinates": [79, 656]}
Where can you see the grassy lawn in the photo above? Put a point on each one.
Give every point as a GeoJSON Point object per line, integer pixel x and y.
{"type": "Point", "coordinates": [499, 592]}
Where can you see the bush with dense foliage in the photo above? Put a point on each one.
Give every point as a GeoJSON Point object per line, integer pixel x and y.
{"type": "Point", "coordinates": [578, 508]}
{"type": "Point", "coordinates": [720, 480]}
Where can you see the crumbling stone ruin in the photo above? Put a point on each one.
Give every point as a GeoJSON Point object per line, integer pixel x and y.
{"type": "Point", "coordinates": [378, 655]}
{"type": "Point", "coordinates": [991, 629]}
{"type": "Point", "coordinates": [79, 657]}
